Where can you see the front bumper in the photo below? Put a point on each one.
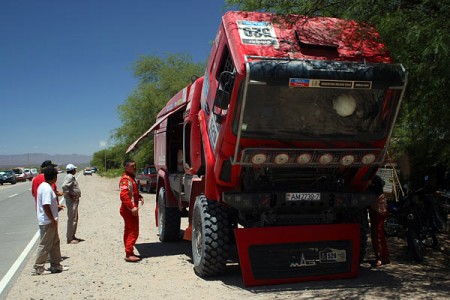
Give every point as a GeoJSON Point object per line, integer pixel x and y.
{"type": "Point", "coordinates": [288, 202]}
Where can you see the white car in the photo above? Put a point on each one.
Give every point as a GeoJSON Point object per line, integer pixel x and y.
{"type": "Point", "coordinates": [87, 171]}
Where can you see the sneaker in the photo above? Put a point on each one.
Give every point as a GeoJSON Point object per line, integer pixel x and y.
{"type": "Point", "coordinates": [39, 271]}
{"type": "Point", "coordinates": [58, 269]}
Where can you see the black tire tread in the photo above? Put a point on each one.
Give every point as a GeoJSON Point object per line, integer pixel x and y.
{"type": "Point", "coordinates": [216, 239]}
{"type": "Point", "coordinates": [170, 231]}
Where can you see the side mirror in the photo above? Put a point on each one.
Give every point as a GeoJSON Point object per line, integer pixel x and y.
{"type": "Point", "coordinates": [223, 96]}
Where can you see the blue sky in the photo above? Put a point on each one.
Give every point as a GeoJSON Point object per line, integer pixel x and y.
{"type": "Point", "coordinates": [66, 65]}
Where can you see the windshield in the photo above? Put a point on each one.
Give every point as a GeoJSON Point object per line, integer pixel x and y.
{"type": "Point", "coordinates": [314, 113]}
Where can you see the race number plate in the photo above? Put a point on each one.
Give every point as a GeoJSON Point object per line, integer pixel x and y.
{"type": "Point", "coordinates": [302, 196]}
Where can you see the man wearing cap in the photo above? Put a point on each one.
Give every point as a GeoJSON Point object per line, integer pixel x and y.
{"type": "Point", "coordinates": [72, 194]}
{"type": "Point", "coordinates": [40, 179]}
{"type": "Point", "coordinates": [47, 216]}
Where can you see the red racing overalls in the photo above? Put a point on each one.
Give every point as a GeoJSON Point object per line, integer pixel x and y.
{"type": "Point", "coordinates": [129, 195]}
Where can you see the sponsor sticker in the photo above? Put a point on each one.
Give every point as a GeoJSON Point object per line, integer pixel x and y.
{"type": "Point", "coordinates": [337, 84]}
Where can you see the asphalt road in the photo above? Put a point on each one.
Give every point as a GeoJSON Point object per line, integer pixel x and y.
{"type": "Point", "coordinates": [18, 223]}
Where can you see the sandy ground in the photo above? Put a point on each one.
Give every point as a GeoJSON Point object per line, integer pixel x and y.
{"type": "Point", "coordinates": [98, 271]}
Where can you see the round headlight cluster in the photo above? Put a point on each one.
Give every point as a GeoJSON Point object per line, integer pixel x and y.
{"type": "Point", "coordinates": [307, 158]}
{"type": "Point", "coordinates": [304, 158]}
{"type": "Point", "coordinates": [325, 159]}
{"type": "Point", "coordinates": [259, 158]}
{"type": "Point", "coordinates": [347, 160]}
{"type": "Point", "coordinates": [368, 159]}
{"type": "Point", "coordinates": [281, 159]}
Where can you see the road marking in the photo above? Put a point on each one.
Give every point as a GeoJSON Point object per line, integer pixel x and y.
{"type": "Point", "coordinates": [13, 195]}
{"type": "Point", "coordinates": [17, 263]}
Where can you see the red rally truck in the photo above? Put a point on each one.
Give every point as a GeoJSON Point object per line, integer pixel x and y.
{"type": "Point", "coordinates": [272, 151]}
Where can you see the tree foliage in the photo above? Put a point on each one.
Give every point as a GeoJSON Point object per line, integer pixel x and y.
{"type": "Point", "coordinates": [417, 32]}
{"type": "Point", "coordinates": [159, 79]}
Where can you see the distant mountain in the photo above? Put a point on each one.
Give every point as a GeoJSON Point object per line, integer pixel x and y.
{"type": "Point", "coordinates": [36, 159]}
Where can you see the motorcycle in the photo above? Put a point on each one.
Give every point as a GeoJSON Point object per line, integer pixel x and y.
{"type": "Point", "coordinates": [416, 215]}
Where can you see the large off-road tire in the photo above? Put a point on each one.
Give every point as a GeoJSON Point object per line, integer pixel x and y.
{"type": "Point", "coordinates": [358, 216]}
{"type": "Point", "coordinates": [210, 237]}
{"type": "Point", "coordinates": [169, 219]}
{"type": "Point", "coordinates": [414, 244]}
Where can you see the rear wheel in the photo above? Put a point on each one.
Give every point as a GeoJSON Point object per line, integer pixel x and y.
{"type": "Point", "coordinates": [169, 219]}
{"type": "Point", "coordinates": [210, 237]}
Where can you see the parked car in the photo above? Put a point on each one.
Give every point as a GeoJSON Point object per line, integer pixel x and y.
{"type": "Point", "coordinates": [87, 171]}
{"type": "Point", "coordinates": [146, 179]}
{"type": "Point", "coordinates": [94, 169]}
{"type": "Point", "coordinates": [28, 174]}
{"type": "Point", "coordinates": [20, 175]}
{"type": "Point", "coordinates": [34, 172]}
{"type": "Point", "coordinates": [7, 177]}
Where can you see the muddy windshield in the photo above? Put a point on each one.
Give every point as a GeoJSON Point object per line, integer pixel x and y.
{"type": "Point", "coordinates": [314, 113]}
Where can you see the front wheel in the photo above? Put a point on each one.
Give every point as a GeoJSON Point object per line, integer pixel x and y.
{"type": "Point", "coordinates": [169, 219]}
{"type": "Point", "coordinates": [210, 237]}
{"type": "Point", "coordinates": [415, 244]}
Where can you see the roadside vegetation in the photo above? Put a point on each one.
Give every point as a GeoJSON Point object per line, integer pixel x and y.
{"type": "Point", "coordinates": [415, 31]}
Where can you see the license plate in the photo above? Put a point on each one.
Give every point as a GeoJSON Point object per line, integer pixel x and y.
{"type": "Point", "coordinates": [302, 196]}
{"type": "Point", "coordinates": [333, 256]}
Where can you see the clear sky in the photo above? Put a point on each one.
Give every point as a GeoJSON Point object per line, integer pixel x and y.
{"type": "Point", "coordinates": [65, 65]}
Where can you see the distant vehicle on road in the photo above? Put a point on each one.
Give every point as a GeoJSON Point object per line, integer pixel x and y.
{"type": "Point", "coordinates": [146, 179]}
{"type": "Point", "coordinates": [7, 177]}
{"type": "Point", "coordinates": [28, 174]}
{"type": "Point", "coordinates": [87, 171]}
{"type": "Point", "coordinates": [20, 175]}
{"type": "Point", "coordinates": [34, 172]}
{"type": "Point", "coordinates": [94, 169]}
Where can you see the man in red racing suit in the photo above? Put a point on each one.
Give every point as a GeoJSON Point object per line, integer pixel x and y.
{"type": "Point", "coordinates": [129, 210]}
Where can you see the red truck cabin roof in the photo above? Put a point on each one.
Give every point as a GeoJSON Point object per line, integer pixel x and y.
{"type": "Point", "coordinates": [299, 37]}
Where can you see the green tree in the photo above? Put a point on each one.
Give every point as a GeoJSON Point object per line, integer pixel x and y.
{"type": "Point", "coordinates": [159, 80]}
{"type": "Point", "coordinates": [417, 32]}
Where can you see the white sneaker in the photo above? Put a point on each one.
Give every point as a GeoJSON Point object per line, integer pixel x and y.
{"type": "Point", "coordinates": [39, 271]}
{"type": "Point", "coordinates": [58, 269]}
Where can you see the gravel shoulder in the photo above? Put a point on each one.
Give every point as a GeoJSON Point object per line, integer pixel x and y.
{"type": "Point", "coordinates": [97, 269]}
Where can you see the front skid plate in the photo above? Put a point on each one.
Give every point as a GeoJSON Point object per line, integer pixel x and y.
{"type": "Point", "coordinates": [275, 255]}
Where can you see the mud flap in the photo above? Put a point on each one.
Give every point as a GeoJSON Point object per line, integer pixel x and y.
{"type": "Point", "coordinates": [275, 255]}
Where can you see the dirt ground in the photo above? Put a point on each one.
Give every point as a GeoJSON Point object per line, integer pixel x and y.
{"type": "Point", "coordinates": [97, 269]}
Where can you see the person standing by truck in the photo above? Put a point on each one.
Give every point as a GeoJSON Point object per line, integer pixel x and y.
{"type": "Point", "coordinates": [378, 213]}
{"type": "Point", "coordinates": [72, 194]}
{"type": "Point", "coordinates": [47, 216]}
{"type": "Point", "coordinates": [40, 179]}
{"type": "Point", "coordinates": [129, 209]}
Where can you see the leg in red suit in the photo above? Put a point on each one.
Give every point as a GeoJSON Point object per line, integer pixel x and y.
{"type": "Point", "coordinates": [131, 231]}
{"type": "Point", "coordinates": [379, 243]}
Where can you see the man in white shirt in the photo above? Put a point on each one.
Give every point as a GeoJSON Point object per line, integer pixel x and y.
{"type": "Point", "coordinates": [47, 215]}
